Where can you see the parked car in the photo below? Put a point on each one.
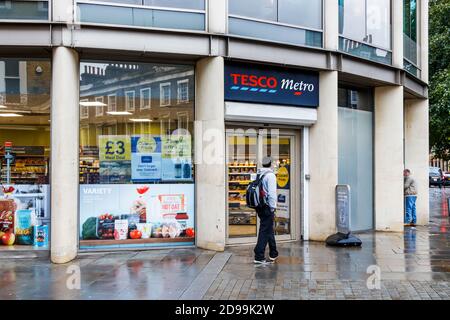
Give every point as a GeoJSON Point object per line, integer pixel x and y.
{"type": "Point", "coordinates": [446, 178]}
{"type": "Point", "coordinates": [436, 177]}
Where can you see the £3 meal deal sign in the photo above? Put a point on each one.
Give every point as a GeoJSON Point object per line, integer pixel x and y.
{"type": "Point", "coordinates": [114, 148]}
{"type": "Point", "coordinates": [270, 85]}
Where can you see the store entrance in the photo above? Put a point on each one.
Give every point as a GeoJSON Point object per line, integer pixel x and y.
{"type": "Point", "coordinates": [245, 150]}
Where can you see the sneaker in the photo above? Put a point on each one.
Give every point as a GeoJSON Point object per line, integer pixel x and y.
{"type": "Point", "coordinates": [263, 261]}
{"type": "Point", "coordinates": [272, 260]}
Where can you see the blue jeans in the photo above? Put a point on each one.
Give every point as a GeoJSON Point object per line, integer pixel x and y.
{"type": "Point", "coordinates": [410, 209]}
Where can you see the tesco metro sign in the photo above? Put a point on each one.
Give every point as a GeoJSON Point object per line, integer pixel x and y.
{"type": "Point", "coordinates": [271, 85]}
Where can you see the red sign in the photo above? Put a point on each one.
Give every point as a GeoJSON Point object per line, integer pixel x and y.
{"type": "Point", "coordinates": [8, 144]}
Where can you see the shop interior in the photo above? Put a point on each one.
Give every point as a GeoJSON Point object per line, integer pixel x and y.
{"type": "Point", "coordinates": [24, 153]}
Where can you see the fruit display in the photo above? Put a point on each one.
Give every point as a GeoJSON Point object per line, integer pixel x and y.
{"type": "Point", "coordinates": [135, 234]}
{"type": "Point", "coordinates": [105, 226]}
{"type": "Point", "coordinates": [8, 238]}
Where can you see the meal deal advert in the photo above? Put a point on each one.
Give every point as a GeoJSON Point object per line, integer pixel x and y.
{"type": "Point", "coordinates": [176, 158]}
{"type": "Point", "coordinates": [145, 158]}
{"type": "Point", "coordinates": [150, 213]}
{"type": "Point", "coordinates": [114, 148]}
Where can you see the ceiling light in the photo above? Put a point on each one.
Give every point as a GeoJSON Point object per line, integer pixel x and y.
{"type": "Point", "coordinates": [92, 104]}
{"type": "Point", "coordinates": [119, 113]}
{"type": "Point", "coordinates": [10, 115]}
{"type": "Point", "coordinates": [141, 120]}
{"type": "Point", "coordinates": [15, 111]}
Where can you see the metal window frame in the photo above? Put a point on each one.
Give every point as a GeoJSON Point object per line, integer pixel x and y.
{"type": "Point", "coordinates": [32, 20]}
{"type": "Point", "coordinates": [365, 28]}
{"type": "Point", "coordinates": [124, 5]}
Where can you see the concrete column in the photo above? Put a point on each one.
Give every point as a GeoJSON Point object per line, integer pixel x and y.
{"type": "Point", "coordinates": [323, 160]}
{"type": "Point", "coordinates": [64, 154]}
{"type": "Point", "coordinates": [389, 199]}
{"type": "Point", "coordinates": [423, 25]}
{"type": "Point", "coordinates": [397, 34]}
{"type": "Point", "coordinates": [331, 25]}
{"type": "Point", "coordinates": [211, 212]}
{"type": "Point", "coordinates": [416, 152]}
{"type": "Point", "coordinates": [217, 16]}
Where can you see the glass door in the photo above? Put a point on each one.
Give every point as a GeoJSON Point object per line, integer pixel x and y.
{"type": "Point", "coordinates": [280, 148]}
{"type": "Point", "coordinates": [242, 167]}
{"type": "Point", "coordinates": [245, 151]}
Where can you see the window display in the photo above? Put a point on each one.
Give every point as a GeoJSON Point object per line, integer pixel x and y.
{"type": "Point", "coordinates": [136, 168]}
{"type": "Point", "coordinates": [24, 151]}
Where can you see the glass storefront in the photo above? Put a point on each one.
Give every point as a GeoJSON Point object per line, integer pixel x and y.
{"type": "Point", "coordinates": [245, 150]}
{"type": "Point", "coordinates": [136, 168]}
{"type": "Point", "coordinates": [355, 151]}
{"type": "Point", "coordinates": [25, 152]}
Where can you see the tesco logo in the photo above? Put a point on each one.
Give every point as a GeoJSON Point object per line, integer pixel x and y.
{"type": "Point", "coordinates": [254, 81]}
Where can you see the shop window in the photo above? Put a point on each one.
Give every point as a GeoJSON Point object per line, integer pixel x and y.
{"type": "Point", "coordinates": [146, 96]}
{"type": "Point", "coordinates": [164, 94]}
{"type": "Point", "coordinates": [25, 151]}
{"type": "Point", "coordinates": [183, 91]}
{"type": "Point", "coordinates": [136, 169]}
{"type": "Point", "coordinates": [130, 97]}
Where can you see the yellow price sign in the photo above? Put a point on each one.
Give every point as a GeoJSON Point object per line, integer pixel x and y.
{"type": "Point", "coordinates": [114, 148]}
{"type": "Point", "coordinates": [282, 177]}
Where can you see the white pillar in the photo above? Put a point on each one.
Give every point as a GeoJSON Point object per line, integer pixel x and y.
{"type": "Point", "coordinates": [211, 213]}
{"type": "Point", "coordinates": [389, 164]}
{"type": "Point", "coordinates": [64, 154]}
{"type": "Point", "coordinates": [397, 33]}
{"type": "Point", "coordinates": [323, 160]}
{"type": "Point", "coordinates": [416, 152]}
{"type": "Point", "coordinates": [217, 16]}
{"type": "Point", "coordinates": [331, 24]}
{"type": "Point", "coordinates": [423, 25]}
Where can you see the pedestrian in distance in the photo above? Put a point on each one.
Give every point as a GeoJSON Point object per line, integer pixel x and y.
{"type": "Point", "coordinates": [410, 192]}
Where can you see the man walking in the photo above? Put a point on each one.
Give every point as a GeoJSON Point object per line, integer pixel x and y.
{"type": "Point", "coordinates": [410, 191]}
{"type": "Point", "coordinates": [266, 215]}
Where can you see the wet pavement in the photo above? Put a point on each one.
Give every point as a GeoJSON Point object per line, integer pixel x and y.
{"type": "Point", "coordinates": [410, 265]}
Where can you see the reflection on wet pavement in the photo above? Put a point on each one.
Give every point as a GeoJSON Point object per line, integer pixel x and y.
{"type": "Point", "coordinates": [412, 265]}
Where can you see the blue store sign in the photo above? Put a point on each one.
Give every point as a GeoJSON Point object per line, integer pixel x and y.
{"type": "Point", "coordinates": [271, 86]}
